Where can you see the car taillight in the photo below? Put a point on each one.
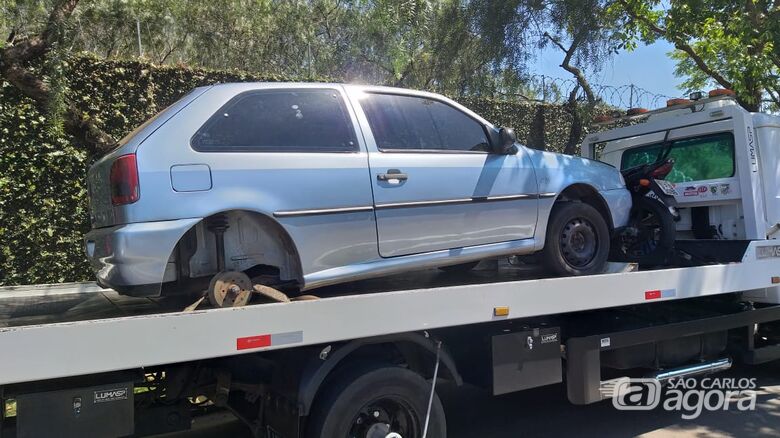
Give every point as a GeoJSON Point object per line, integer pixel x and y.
{"type": "Point", "coordinates": [124, 180]}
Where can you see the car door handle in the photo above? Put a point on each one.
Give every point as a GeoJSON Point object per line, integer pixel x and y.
{"type": "Point", "coordinates": [392, 174]}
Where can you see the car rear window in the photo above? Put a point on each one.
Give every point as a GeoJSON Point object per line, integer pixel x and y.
{"type": "Point", "coordinates": [695, 159]}
{"type": "Point", "coordinates": [300, 120]}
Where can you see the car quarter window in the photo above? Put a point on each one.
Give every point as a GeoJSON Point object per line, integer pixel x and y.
{"type": "Point", "coordinates": [695, 159]}
{"type": "Point", "coordinates": [401, 123]}
{"type": "Point", "coordinates": [300, 120]}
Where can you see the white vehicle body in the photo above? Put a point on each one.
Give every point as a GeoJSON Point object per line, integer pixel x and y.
{"type": "Point", "coordinates": [744, 205]}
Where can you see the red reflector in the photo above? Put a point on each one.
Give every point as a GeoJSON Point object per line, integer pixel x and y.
{"type": "Point", "coordinates": [253, 342]}
{"type": "Point", "coordinates": [652, 294]}
{"type": "Point", "coordinates": [124, 180]}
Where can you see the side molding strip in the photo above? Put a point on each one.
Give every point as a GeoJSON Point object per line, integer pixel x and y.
{"type": "Point", "coordinates": [294, 213]}
{"type": "Point", "coordinates": [339, 210]}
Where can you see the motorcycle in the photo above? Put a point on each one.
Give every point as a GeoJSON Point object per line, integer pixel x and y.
{"type": "Point", "coordinates": [648, 238]}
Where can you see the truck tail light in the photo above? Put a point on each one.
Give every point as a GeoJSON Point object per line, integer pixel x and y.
{"type": "Point", "coordinates": [124, 180]}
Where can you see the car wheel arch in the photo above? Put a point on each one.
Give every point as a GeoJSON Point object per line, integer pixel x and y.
{"type": "Point", "coordinates": [270, 227]}
{"type": "Point", "coordinates": [588, 194]}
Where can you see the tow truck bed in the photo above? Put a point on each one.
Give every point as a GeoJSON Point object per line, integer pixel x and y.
{"type": "Point", "coordinates": [105, 332]}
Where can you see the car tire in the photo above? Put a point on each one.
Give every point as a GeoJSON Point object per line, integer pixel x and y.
{"type": "Point", "coordinates": [461, 267]}
{"type": "Point", "coordinates": [577, 241]}
{"type": "Point", "coordinates": [347, 405]}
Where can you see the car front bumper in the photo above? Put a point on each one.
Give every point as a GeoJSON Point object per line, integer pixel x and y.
{"type": "Point", "coordinates": [133, 258]}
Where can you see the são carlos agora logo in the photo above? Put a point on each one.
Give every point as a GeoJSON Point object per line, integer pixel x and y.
{"type": "Point", "coordinates": [688, 396]}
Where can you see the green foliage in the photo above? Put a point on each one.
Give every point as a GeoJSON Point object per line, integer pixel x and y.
{"type": "Point", "coordinates": [43, 207]}
{"type": "Point", "coordinates": [415, 43]}
{"type": "Point", "coordinates": [718, 42]}
{"type": "Point", "coordinates": [43, 196]}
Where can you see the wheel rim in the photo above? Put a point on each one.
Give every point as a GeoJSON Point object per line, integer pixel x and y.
{"type": "Point", "coordinates": [386, 417]}
{"type": "Point", "coordinates": [579, 242]}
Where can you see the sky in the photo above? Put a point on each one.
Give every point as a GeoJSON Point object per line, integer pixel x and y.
{"type": "Point", "coordinates": [647, 67]}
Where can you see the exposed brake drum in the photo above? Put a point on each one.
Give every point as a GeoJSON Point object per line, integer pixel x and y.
{"type": "Point", "coordinates": [230, 289]}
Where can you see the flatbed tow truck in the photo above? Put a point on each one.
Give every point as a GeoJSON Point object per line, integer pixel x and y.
{"type": "Point", "coordinates": [363, 359]}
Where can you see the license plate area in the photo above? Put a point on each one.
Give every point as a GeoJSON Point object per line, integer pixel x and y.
{"type": "Point", "coordinates": [666, 187]}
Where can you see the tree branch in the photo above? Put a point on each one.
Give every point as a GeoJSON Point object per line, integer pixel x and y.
{"type": "Point", "coordinates": [14, 61]}
{"type": "Point", "coordinates": [679, 44]}
{"type": "Point", "coordinates": [582, 81]}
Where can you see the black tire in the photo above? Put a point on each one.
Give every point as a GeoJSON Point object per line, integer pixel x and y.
{"type": "Point", "coordinates": [647, 251]}
{"type": "Point", "coordinates": [337, 410]}
{"type": "Point", "coordinates": [577, 241]}
{"type": "Point", "coordinates": [462, 267]}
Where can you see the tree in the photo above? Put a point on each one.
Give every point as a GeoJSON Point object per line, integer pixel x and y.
{"type": "Point", "coordinates": [731, 44]}
{"type": "Point", "coordinates": [590, 42]}
{"type": "Point", "coordinates": [455, 47]}
{"type": "Point", "coordinates": [21, 60]}
{"type": "Point", "coordinates": [576, 28]}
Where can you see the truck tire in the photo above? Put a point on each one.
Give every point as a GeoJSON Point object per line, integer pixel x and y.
{"type": "Point", "coordinates": [577, 241]}
{"type": "Point", "coordinates": [375, 401]}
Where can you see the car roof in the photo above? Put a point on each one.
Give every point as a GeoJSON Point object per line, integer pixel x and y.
{"type": "Point", "coordinates": [237, 87]}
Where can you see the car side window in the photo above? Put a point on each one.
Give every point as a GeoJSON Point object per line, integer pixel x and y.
{"type": "Point", "coordinates": [402, 123]}
{"type": "Point", "coordinates": [300, 120]}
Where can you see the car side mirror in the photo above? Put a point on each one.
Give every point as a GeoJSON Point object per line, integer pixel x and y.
{"type": "Point", "coordinates": [506, 142]}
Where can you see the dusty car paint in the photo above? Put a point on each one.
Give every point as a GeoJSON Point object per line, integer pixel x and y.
{"type": "Point", "coordinates": [336, 219]}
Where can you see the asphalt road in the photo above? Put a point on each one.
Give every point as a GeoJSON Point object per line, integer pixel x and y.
{"type": "Point", "coordinates": [545, 412]}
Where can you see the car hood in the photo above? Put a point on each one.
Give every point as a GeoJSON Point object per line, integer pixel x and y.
{"type": "Point", "coordinates": [556, 171]}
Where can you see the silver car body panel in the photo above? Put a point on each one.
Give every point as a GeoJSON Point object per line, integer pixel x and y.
{"type": "Point", "coordinates": [135, 254]}
{"type": "Point", "coordinates": [344, 224]}
{"type": "Point", "coordinates": [102, 213]}
{"type": "Point", "coordinates": [451, 199]}
{"type": "Point", "coordinates": [557, 172]}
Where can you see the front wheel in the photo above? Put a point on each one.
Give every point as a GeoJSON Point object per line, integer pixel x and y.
{"type": "Point", "coordinates": [385, 401]}
{"type": "Point", "coordinates": [577, 241]}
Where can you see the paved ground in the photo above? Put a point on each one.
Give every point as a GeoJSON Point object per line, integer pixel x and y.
{"type": "Point", "coordinates": [544, 412]}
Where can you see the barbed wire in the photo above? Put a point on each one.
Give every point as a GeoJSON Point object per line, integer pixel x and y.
{"type": "Point", "coordinates": [551, 89]}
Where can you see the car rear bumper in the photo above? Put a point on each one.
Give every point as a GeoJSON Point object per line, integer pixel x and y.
{"type": "Point", "coordinates": [133, 258]}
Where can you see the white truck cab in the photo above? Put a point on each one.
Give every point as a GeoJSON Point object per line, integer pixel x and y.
{"type": "Point", "coordinates": [726, 171]}
{"type": "Point", "coordinates": [726, 164]}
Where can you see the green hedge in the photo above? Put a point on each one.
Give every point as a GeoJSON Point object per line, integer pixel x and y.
{"type": "Point", "coordinates": [43, 199]}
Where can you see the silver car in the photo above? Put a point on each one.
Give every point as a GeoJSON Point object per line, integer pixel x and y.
{"type": "Point", "coordinates": [302, 185]}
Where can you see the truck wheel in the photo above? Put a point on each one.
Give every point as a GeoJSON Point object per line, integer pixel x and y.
{"type": "Point", "coordinates": [376, 402]}
{"type": "Point", "coordinates": [577, 241]}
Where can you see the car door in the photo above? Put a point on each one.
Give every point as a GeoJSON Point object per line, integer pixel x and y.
{"type": "Point", "coordinates": [436, 186]}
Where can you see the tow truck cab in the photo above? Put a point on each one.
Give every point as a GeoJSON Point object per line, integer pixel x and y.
{"type": "Point", "coordinates": [726, 164]}
{"type": "Point", "coordinates": [725, 171]}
